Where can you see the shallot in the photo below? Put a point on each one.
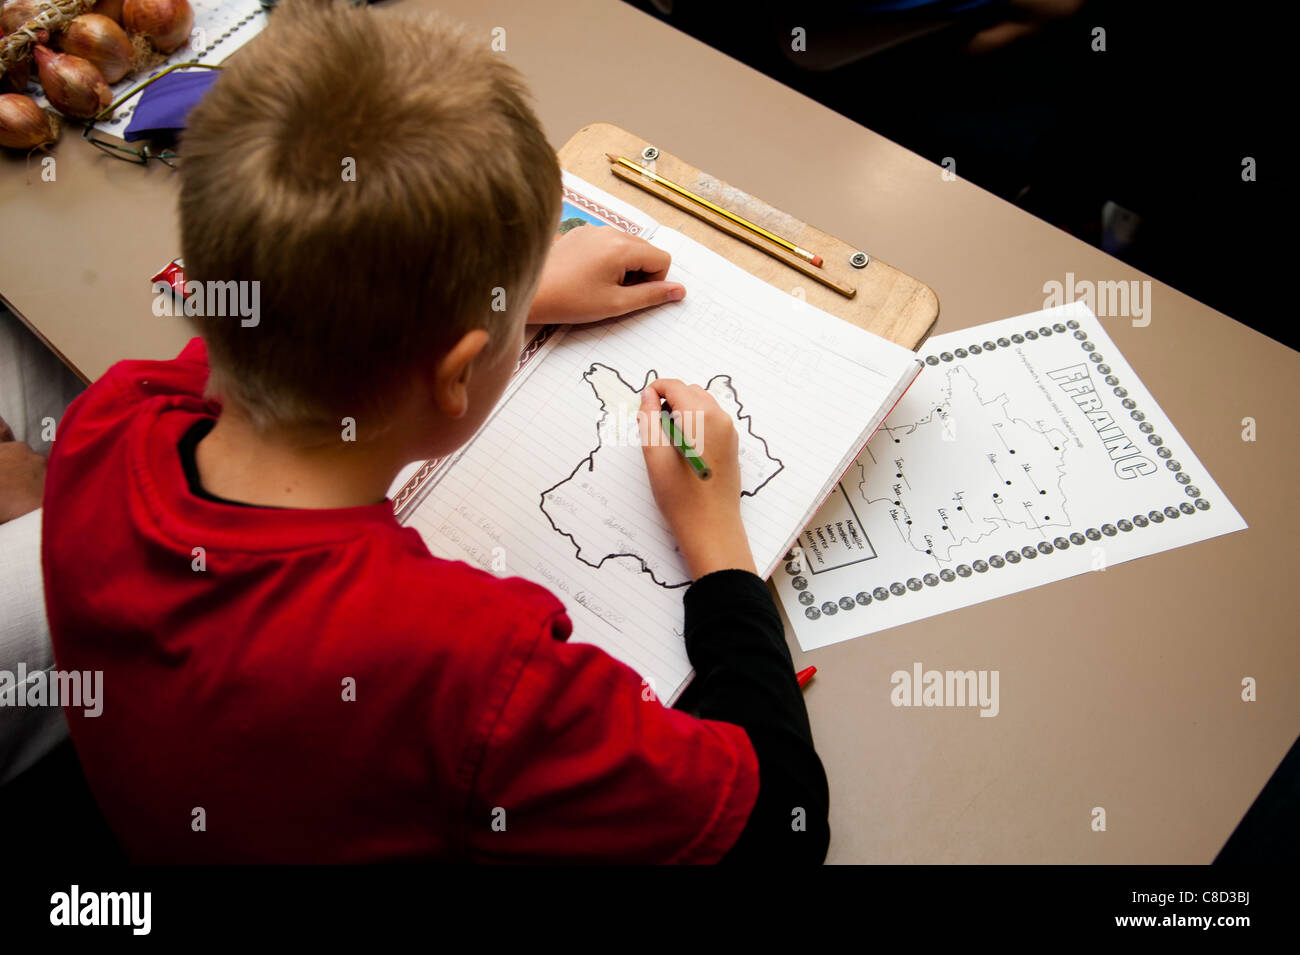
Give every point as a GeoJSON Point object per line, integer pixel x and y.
{"type": "Point", "coordinates": [18, 12]}
{"type": "Point", "coordinates": [23, 124]}
{"type": "Point", "coordinates": [73, 84]}
{"type": "Point", "coordinates": [167, 23]}
{"type": "Point", "coordinates": [109, 8]}
{"type": "Point", "coordinates": [101, 41]}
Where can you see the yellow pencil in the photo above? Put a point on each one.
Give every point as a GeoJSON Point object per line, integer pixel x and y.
{"type": "Point", "coordinates": [669, 184]}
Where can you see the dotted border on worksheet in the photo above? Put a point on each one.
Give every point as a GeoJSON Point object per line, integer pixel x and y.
{"type": "Point", "coordinates": [898, 588]}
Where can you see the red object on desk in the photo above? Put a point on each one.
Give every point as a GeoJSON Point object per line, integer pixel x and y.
{"type": "Point", "coordinates": [173, 275]}
{"type": "Point", "coordinates": [803, 676]}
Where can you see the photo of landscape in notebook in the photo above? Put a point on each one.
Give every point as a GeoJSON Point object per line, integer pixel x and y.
{"type": "Point", "coordinates": [553, 487]}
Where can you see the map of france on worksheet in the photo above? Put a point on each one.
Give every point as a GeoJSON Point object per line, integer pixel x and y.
{"type": "Point", "coordinates": [1028, 451]}
{"type": "Point", "coordinates": [553, 487]}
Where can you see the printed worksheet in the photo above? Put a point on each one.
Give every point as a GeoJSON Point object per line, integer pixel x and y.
{"type": "Point", "coordinates": [1028, 451]}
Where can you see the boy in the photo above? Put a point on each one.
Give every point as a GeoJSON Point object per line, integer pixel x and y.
{"type": "Point", "coordinates": [289, 675]}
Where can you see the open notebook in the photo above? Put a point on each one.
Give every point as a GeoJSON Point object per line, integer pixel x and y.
{"type": "Point", "coordinates": [553, 486]}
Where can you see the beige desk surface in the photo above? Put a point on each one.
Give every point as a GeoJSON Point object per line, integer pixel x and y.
{"type": "Point", "coordinates": [1119, 689]}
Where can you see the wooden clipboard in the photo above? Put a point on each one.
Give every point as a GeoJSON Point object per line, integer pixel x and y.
{"type": "Point", "coordinates": [888, 302]}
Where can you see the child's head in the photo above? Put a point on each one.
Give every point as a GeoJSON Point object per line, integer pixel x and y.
{"type": "Point", "coordinates": [385, 181]}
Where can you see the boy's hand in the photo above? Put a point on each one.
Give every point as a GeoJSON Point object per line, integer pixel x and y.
{"type": "Point", "coordinates": [582, 280]}
{"type": "Point", "coordinates": [704, 513]}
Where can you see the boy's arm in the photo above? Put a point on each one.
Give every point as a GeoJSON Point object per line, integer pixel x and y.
{"type": "Point", "coordinates": [580, 762]}
{"type": "Point", "coordinates": [595, 272]}
{"type": "Point", "coordinates": [744, 675]}
{"type": "Point", "coordinates": [734, 637]}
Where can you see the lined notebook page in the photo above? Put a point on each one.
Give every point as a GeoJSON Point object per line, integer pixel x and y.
{"type": "Point", "coordinates": [553, 487]}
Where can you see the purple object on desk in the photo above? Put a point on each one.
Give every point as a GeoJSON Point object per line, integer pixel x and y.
{"type": "Point", "coordinates": [165, 104]}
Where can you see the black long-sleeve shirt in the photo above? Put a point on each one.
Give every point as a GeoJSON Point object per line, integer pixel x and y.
{"type": "Point", "coordinates": [744, 675]}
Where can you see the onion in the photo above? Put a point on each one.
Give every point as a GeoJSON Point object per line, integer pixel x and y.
{"type": "Point", "coordinates": [24, 125]}
{"type": "Point", "coordinates": [18, 12]}
{"type": "Point", "coordinates": [100, 40]}
{"type": "Point", "coordinates": [167, 23]}
{"type": "Point", "coordinates": [74, 85]}
{"type": "Point", "coordinates": [17, 77]}
{"type": "Point", "coordinates": [109, 8]}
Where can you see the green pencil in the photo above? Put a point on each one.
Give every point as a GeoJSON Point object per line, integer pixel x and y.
{"type": "Point", "coordinates": [681, 444]}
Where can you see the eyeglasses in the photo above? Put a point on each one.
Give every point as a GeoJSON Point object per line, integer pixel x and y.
{"type": "Point", "coordinates": [142, 153]}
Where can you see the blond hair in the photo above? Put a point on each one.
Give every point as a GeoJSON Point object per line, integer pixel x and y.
{"type": "Point", "coordinates": [453, 202]}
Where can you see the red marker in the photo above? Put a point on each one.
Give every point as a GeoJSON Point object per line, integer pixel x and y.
{"type": "Point", "coordinates": [803, 676]}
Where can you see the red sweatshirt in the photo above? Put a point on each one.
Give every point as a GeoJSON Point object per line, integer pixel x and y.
{"type": "Point", "coordinates": [314, 686]}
